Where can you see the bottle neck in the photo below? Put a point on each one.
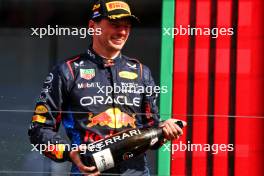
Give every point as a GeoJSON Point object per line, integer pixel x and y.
{"type": "Point", "coordinates": [154, 132]}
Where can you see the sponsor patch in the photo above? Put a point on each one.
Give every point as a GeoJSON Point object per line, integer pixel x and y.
{"type": "Point", "coordinates": [39, 118]}
{"type": "Point", "coordinates": [57, 150]}
{"type": "Point", "coordinates": [49, 78]}
{"type": "Point", "coordinates": [90, 53]}
{"type": "Point", "coordinates": [41, 109]}
{"type": "Point", "coordinates": [117, 5]}
{"type": "Point", "coordinates": [80, 64]}
{"type": "Point", "coordinates": [134, 66]}
{"type": "Point", "coordinates": [120, 100]}
{"type": "Point", "coordinates": [96, 14]}
{"type": "Point", "coordinates": [42, 98]}
{"type": "Point", "coordinates": [112, 118]}
{"type": "Point", "coordinates": [127, 75]}
{"type": "Point", "coordinates": [46, 88]}
{"type": "Point", "coordinates": [96, 6]}
{"type": "Point", "coordinates": [84, 85]}
{"type": "Point", "coordinates": [87, 74]}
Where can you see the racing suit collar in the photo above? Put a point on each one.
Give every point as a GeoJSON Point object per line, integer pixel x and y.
{"type": "Point", "coordinates": [101, 60]}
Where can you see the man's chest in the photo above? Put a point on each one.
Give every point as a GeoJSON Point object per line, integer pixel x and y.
{"type": "Point", "coordinates": [96, 87]}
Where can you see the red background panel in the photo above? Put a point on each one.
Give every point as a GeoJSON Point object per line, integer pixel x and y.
{"type": "Point", "coordinates": [249, 88]}
{"type": "Point", "coordinates": [250, 98]}
{"type": "Point", "coordinates": [202, 45]}
{"type": "Point", "coordinates": [220, 160]}
{"type": "Point", "coordinates": [182, 10]}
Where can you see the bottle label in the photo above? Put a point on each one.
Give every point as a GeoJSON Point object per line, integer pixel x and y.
{"type": "Point", "coordinates": [104, 160]}
{"type": "Point", "coordinates": [99, 145]}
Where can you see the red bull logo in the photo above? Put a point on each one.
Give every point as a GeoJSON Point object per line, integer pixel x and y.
{"type": "Point", "coordinates": [113, 118]}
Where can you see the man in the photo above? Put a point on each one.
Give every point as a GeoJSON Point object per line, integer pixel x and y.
{"type": "Point", "coordinates": [79, 92]}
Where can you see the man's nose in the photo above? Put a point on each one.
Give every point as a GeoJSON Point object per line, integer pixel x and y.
{"type": "Point", "coordinates": [123, 30]}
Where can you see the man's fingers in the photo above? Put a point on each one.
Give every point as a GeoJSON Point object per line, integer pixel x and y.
{"type": "Point", "coordinates": [91, 171]}
{"type": "Point", "coordinates": [75, 157]}
{"type": "Point", "coordinates": [173, 128]}
{"type": "Point", "coordinates": [178, 129]}
{"type": "Point", "coordinates": [87, 169]}
{"type": "Point", "coordinates": [95, 174]}
{"type": "Point", "coordinates": [92, 174]}
{"type": "Point", "coordinates": [166, 133]}
{"type": "Point", "coordinates": [170, 131]}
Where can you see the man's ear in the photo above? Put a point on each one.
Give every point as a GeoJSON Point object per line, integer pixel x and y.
{"type": "Point", "coordinates": [91, 24]}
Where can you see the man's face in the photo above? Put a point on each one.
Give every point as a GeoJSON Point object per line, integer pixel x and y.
{"type": "Point", "coordinates": [114, 33]}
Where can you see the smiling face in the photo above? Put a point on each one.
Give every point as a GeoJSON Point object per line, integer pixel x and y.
{"type": "Point", "coordinates": [114, 34]}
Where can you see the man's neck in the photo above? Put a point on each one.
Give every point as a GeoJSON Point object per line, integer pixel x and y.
{"type": "Point", "coordinates": [105, 53]}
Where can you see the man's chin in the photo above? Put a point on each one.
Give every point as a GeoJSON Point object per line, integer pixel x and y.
{"type": "Point", "coordinates": [117, 47]}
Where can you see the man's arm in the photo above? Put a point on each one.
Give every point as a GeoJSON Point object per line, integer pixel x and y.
{"type": "Point", "coordinates": [47, 117]}
{"type": "Point", "coordinates": [170, 129]}
{"type": "Point", "coordinates": [150, 107]}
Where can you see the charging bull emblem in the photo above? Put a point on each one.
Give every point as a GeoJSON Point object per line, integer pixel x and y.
{"type": "Point", "coordinates": [112, 118]}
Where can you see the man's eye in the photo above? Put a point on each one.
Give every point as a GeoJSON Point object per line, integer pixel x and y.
{"type": "Point", "coordinates": [126, 26]}
{"type": "Point", "coordinates": [115, 25]}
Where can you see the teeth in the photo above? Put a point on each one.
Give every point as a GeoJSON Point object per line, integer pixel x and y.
{"type": "Point", "coordinates": [117, 38]}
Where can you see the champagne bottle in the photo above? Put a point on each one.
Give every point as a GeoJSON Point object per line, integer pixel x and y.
{"type": "Point", "coordinates": [109, 152]}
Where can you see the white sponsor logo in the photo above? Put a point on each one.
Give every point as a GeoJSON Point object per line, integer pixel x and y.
{"type": "Point", "coordinates": [90, 54]}
{"type": "Point", "coordinates": [121, 100]}
{"type": "Point", "coordinates": [49, 78]}
{"type": "Point", "coordinates": [46, 89]}
{"type": "Point", "coordinates": [134, 66]}
{"type": "Point", "coordinates": [88, 85]}
{"type": "Point", "coordinates": [80, 64]}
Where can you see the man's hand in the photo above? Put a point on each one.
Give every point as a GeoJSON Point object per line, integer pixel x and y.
{"type": "Point", "coordinates": [171, 130]}
{"type": "Point", "coordinates": [88, 171]}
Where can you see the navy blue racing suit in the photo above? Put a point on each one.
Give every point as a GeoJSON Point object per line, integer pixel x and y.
{"type": "Point", "coordinates": [77, 93]}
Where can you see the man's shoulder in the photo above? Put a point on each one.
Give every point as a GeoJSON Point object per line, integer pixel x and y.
{"type": "Point", "coordinates": [75, 60]}
{"type": "Point", "coordinates": [135, 63]}
{"type": "Point", "coordinates": [67, 66]}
